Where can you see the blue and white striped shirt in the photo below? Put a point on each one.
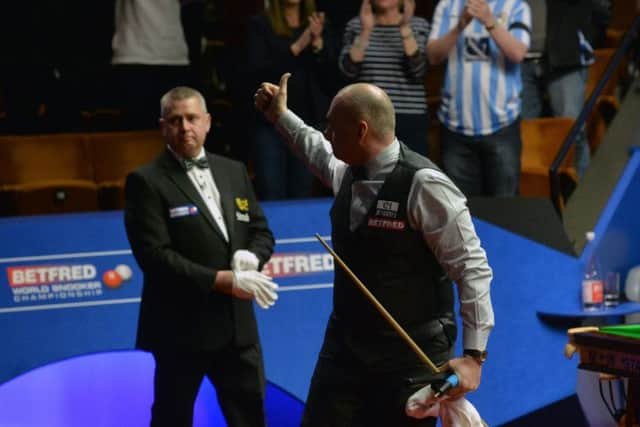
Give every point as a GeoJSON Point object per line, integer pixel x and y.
{"type": "Point", "coordinates": [481, 92]}
{"type": "Point", "coordinates": [386, 65]}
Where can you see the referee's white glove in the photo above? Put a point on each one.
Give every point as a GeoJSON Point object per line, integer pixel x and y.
{"type": "Point", "coordinates": [244, 260]}
{"type": "Point", "coordinates": [254, 285]}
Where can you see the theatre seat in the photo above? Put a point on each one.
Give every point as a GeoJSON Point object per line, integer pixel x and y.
{"type": "Point", "coordinates": [50, 197]}
{"type": "Point", "coordinates": [595, 73]}
{"type": "Point", "coordinates": [541, 141]}
{"type": "Point", "coordinates": [116, 154]}
{"type": "Point", "coordinates": [42, 174]}
{"type": "Point", "coordinates": [599, 120]}
{"type": "Point", "coordinates": [33, 158]}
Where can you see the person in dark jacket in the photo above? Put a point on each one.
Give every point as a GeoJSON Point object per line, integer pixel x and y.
{"type": "Point", "coordinates": [290, 35]}
{"type": "Point", "coordinates": [385, 45]}
{"type": "Point", "coordinates": [404, 229]}
{"type": "Point", "coordinates": [557, 63]}
{"type": "Point", "coordinates": [200, 238]}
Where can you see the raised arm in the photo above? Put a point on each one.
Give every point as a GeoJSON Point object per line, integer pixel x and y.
{"type": "Point", "coordinates": [512, 47]}
{"type": "Point", "coordinates": [306, 142]}
{"type": "Point", "coordinates": [439, 45]}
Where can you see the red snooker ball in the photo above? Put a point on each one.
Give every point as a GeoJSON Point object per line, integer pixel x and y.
{"type": "Point", "coordinates": [112, 279]}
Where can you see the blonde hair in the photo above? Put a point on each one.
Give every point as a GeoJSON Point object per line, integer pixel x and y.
{"type": "Point", "coordinates": [275, 13]}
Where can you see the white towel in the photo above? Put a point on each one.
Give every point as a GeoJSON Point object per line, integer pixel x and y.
{"type": "Point", "coordinates": [453, 413]}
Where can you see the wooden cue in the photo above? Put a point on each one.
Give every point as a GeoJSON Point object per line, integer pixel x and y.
{"type": "Point", "coordinates": [417, 350]}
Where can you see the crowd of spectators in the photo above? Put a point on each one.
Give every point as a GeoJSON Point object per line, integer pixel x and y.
{"type": "Point", "coordinates": [62, 65]}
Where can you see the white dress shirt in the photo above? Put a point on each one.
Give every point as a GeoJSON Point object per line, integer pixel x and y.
{"type": "Point", "coordinates": [205, 185]}
{"type": "Point", "coordinates": [435, 206]}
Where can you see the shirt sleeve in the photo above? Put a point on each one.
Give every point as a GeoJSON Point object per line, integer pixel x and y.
{"type": "Point", "coordinates": [312, 147]}
{"type": "Point", "coordinates": [347, 67]}
{"type": "Point", "coordinates": [438, 209]}
{"type": "Point", "coordinates": [520, 23]}
{"type": "Point", "coordinates": [417, 63]}
{"type": "Point", "coordinates": [438, 27]}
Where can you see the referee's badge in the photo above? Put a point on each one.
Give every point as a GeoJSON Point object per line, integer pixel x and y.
{"type": "Point", "coordinates": [242, 204]}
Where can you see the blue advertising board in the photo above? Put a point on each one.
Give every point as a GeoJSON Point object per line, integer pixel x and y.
{"type": "Point", "coordinates": [70, 292]}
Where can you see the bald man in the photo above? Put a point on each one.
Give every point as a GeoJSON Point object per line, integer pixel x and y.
{"type": "Point", "coordinates": [405, 231]}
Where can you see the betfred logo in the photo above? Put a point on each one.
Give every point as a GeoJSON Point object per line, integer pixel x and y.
{"type": "Point", "coordinates": [34, 275]}
{"type": "Point", "coordinates": [286, 265]}
{"type": "Point", "coordinates": [387, 224]}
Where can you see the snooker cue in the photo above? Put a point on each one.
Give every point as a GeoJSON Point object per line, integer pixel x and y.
{"type": "Point", "coordinates": [383, 311]}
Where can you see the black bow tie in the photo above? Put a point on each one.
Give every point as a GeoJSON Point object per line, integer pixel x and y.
{"type": "Point", "coordinates": [201, 163]}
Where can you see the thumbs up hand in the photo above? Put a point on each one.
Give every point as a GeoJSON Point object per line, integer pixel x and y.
{"type": "Point", "coordinates": [271, 100]}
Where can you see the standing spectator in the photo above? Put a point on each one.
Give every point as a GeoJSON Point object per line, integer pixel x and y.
{"type": "Point", "coordinates": [557, 64]}
{"type": "Point", "coordinates": [192, 17]}
{"type": "Point", "coordinates": [199, 236]}
{"type": "Point", "coordinates": [290, 35]}
{"type": "Point", "coordinates": [484, 43]}
{"type": "Point", "coordinates": [385, 46]}
{"type": "Point", "coordinates": [601, 18]}
{"type": "Point", "coordinates": [150, 56]}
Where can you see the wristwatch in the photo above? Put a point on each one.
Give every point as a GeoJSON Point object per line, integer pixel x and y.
{"type": "Point", "coordinates": [491, 26]}
{"type": "Point", "coordinates": [478, 355]}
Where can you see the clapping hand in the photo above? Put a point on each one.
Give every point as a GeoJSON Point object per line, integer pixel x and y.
{"type": "Point", "coordinates": [480, 10]}
{"type": "Point", "coordinates": [409, 9]}
{"type": "Point", "coordinates": [316, 25]}
{"type": "Point", "coordinates": [303, 41]}
{"type": "Point", "coordinates": [464, 19]}
{"type": "Point", "coordinates": [367, 20]}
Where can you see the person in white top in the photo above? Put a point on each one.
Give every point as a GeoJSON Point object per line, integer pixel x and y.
{"type": "Point", "coordinates": [150, 56]}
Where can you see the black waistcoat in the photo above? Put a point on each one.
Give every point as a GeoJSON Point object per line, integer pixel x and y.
{"type": "Point", "coordinates": [392, 260]}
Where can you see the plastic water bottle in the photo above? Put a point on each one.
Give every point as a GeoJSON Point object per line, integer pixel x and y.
{"type": "Point", "coordinates": [632, 285]}
{"type": "Point", "coordinates": [592, 281]}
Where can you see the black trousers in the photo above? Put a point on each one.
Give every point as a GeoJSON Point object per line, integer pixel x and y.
{"type": "Point", "coordinates": [487, 165]}
{"type": "Point", "coordinates": [236, 373]}
{"type": "Point", "coordinates": [348, 391]}
{"type": "Point", "coordinates": [138, 89]}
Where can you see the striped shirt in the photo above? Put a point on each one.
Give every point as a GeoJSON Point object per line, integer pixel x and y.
{"type": "Point", "coordinates": [386, 65]}
{"type": "Point", "coordinates": [481, 92]}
